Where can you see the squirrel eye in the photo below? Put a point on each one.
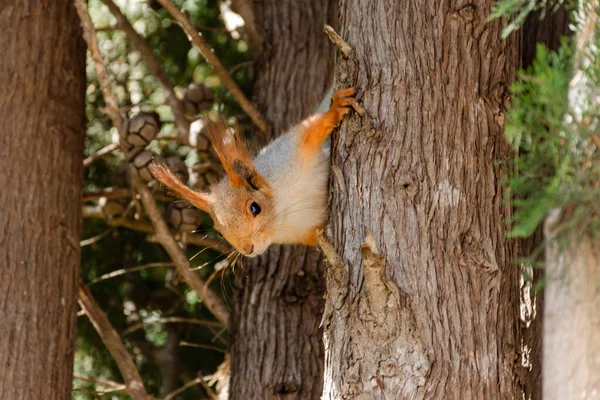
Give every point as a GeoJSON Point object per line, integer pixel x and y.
{"type": "Point", "coordinates": [254, 209]}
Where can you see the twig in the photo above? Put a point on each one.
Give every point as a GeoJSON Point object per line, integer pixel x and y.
{"type": "Point", "coordinates": [100, 154]}
{"type": "Point", "coordinates": [202, 346]}
{"type": "Point", "coordinates": [94, 239]}
{"type": "Point", "coordinates": [184, 388]}
{"type": "Point", "coordinates": [209, 55]}
{"type": "Point", "coordinates": [170, 320]}
{"type": "Point", "coordinates": [100, 392]}
{"type": "Point", "coordinates": [338, 41]}
{"type": "Point", "coordinates": [328, 250]}
{"type": "Point", "coordinates": [141, 226]}
{"type": "Point", "coordinates": [124, 271]}
{"type": "Point", "coordinates": [112, 108]}
{"type": "Point", "coordinates": [140, 44]}
{"type": "Point", "coordinates": [358, 108]}
{"type": "Point", "coordinates": [111, 339]}
{"type": "Point", "coordinates": [207, 388]}
{"type": "Point", "coordinates": [109, 28]}
{"type": "Point", "coordinates": [93, 379]}
{"type": "Point", "coordinates": [208, 297]}
{"type": "Point", "coordinates": [119, 193]}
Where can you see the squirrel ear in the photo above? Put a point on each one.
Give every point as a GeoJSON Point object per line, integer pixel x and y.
{"type": "Point", "coordinates": [234, 155]}
{"type": "Point", "coordinates": [165, 176]}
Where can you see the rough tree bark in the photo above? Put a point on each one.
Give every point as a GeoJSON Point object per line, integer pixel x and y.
{"type": "Point", "coordinates": [428, 306]}
{"type": "Point", "coordinates": [42, 76]}
{"type": "Point", "coordinates": [277, 349]}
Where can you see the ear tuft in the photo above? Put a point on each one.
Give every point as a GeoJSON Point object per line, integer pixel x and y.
{"type": "Point", "coordinates": [165, 176]}
{"type": "Point", "coordinates": [234, 155]}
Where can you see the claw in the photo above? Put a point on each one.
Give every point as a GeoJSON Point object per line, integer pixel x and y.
{"type": "Point", "coordinates": [343, 97]}
{"type": "Point", "coordinates": [342, 100]}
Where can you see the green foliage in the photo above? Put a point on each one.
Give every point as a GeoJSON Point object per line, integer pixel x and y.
{"type": "Point", "coordinates": [557, 165]}
{"type": "Point", "coordinates": [517, 11]}
{"type": "Point", "coordinates": [536, 126]}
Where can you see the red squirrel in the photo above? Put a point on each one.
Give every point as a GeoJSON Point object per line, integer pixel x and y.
{"type": "Point", "coordinates": [281, 195]}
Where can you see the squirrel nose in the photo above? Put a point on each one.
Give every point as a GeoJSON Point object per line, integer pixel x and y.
{"type": "Point", "coordinates": [250, 249]}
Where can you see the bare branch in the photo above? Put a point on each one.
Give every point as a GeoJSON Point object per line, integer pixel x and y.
{"type": "Point", "coordinates": [207, 388]}
{"type": "Point", "coordinates": [119, 193]}
{"type": "Point", "coordinates": [100, 154]}
{"type": "Point", "coordinates": [171, 320]}
{"type": "Point", "coordinates": [208, 297]}
{"type": "Point", "coordinates": [112, 107]}
{"type": "Point", "coordinates": [124, 271]}
{"type": "Point", "coordinates": [198, 380]}
{"type": "Point", "coordinates": [103, 382]}
{"type": "Point", "coordinates": [141, 226]}
{"type": "Point", "coordinates": [338, 41]}
{"type": "Point", "coordinates": [94, 239]}
{"type": "Point", "coordinates": [111, 339]}
{"type": "Point", "coordinates": [202, 346]}
{"type": "Point", "coordinates": [164, 80]}
{"type": "Point", "coordinates": [209, 55]}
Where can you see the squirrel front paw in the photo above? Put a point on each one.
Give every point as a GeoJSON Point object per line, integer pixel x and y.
{"type": "Point", "coordinates": [341, 101]}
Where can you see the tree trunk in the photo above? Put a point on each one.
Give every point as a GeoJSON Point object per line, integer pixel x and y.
{"type": "Point", "coordinates": [571, 319]}
{"type": "Point", "coordinates": [277, 348]}
{"type": "Point", "coordinates": [426, 307]}
{"type": "Point", "coordinates": [42, 76]}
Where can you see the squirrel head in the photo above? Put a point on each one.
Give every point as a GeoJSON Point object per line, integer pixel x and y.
{"type": "Point", "coordinates": [241, 204]}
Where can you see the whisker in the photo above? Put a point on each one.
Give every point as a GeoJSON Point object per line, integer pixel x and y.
{"type": "Point", "coordinates": [208, 262]}
{"type": "Point", "coordinates": [204, 249]}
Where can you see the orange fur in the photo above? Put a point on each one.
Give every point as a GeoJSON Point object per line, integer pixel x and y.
{"type": "Point", "coordinates": [311, 238]}
{"type": "Point", "coordinates": [168, 178]}
{"type": "Point", "coordinates": [318, 128]}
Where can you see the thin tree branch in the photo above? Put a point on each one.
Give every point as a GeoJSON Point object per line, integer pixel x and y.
{"type": "Point", "coordinates": [111, 339]}
{"type": "Point", "coordinates": [100, 154]}
{"type": "Point", "coordinates": [103, 382]}
{"type": "Point", "coordinates": [119, 193]}
{"type": "Point", "coordinates": [94, 239]}
{"type": "Point", "coordinates": [208, 297]}
{"type": "Point", "coordinates": [202, 346]}
{"type": "Point", "coordinates": [154, 64]}
{"type": "Point", "coordinates": [206, 387]}
{"type": "Point", "coordinates": [112, 107]}
{"type": "Point", "coordinates": [141, 226]}
{"type": "Point", "coordinates": [337, 40]}
{"type": "Point", "coordinates": [170, 320]}
{"type": "Point", "coordinates": [209, 55]}
{"type": "Point", "coordinates": [124, 271]}
{"type": "Point", "coordinates": [199, 380]}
